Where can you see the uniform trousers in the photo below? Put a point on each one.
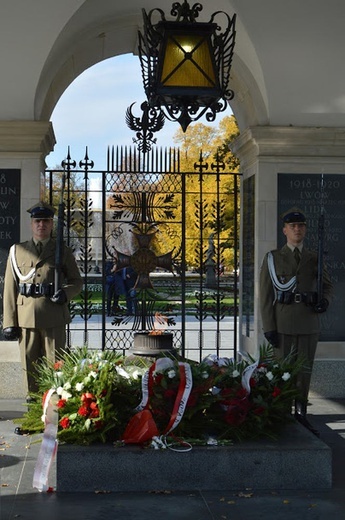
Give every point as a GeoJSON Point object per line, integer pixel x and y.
{"type": "Point", "coordinates": [303, 348]}
{"type": "Point", "coordinates": [35, 344]}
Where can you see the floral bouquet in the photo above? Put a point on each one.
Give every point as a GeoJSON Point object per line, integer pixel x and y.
{"type": "Point", "coordinates": [106, 397]}
{"type": "Point", "coordinates": [95, 394]}
{"type": "Point", "coordinates": [226, 400]}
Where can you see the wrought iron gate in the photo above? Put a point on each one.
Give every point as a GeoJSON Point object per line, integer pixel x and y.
{"type": "Point", "coordinates": [172, 229]}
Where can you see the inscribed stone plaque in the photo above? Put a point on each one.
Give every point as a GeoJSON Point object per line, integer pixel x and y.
{"type": "Point", "coordinates": [9, 222]}
{"type": "Point", "coordinates": [311, 192]}
{"type": "Point", "coordinates": [248, 256]}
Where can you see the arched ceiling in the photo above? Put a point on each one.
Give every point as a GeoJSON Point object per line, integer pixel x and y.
{"type": "Point", "coordinates": [287, 67]}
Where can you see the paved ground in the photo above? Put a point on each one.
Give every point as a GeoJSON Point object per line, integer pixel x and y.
{"type": "Point", "coordinates": [19, 500]}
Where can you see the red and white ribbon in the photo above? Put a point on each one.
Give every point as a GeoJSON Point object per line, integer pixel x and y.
{"type": "Point", "coordinates": [183, 393]}
{"type": "Point", "coordinates": [49, 441]}
{"type": "Point", "coordinates": [247, 374]}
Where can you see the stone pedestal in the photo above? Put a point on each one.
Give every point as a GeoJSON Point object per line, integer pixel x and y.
{"type": "Point", "coordinates": [298, 460]}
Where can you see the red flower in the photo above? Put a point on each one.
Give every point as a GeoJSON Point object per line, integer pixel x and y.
{"type": "Point", "coordinates": [169, 393]}
{"type": "Point", "coordinates": [241, 393]}
{"type": "Point", "coordinates": [94, 413]}
{"type": "Point", "coordinates": [226, 392]}
{"type": "Point", "coordinates": [192, 399]}
{"type": "Point", "coordinates": [236, 413]}
{"type": "Point", "coordinates": [276, 391]}
{"type": "Point", "coordinates": [84, 411]}
{"type": "Point", "coordinates": [103, 393]}
{"type": "Point", "coordinates": [259, 410]}
{"type": "Point", "coordinates": [64, 423]}
{"type": "Point", "coordinates": [61, 403]}
{"type": "Point", "coordinates": [58, 364]}
{"type": "Point", "coordinates": [87, 397]}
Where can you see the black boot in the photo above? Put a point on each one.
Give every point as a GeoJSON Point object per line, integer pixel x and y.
{"type": "Point", "coordinates": [301, 417]}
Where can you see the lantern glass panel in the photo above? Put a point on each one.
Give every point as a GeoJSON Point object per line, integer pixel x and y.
{"type": "Point", "coordinates": [188, 62]}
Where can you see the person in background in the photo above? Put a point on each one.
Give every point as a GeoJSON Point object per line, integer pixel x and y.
{"type": "Point", "coordinates": [36, 312]}
{"type": "Point", "coordinates": [290, 304]}
{"type": "Point", "coordinates": [130, 277]}
{"type": "Point", "coordinates": [109, 285]}
{"type": "Point", "coordinates": [115, 287]}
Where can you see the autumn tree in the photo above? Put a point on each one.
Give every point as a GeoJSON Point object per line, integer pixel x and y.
{"type": "Point", "coordinates": [210, 203]}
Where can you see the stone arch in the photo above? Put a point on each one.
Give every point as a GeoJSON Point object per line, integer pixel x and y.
{"type": "Point", "coordinates": [82, 45]}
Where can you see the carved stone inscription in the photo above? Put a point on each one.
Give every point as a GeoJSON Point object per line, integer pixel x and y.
{"type": "Point", "coordinates": [9, 222]}
{"type": "Point", "coordinates": [311, 192]}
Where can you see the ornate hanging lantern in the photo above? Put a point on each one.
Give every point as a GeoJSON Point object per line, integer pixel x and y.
{"type": "Point", "coordinates": [186, 64]}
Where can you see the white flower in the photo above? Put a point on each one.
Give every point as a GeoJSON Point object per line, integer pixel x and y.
{"type": "Point", "coordinates": [59, 390]}
{"type": "Point", "coordinates": [136, 374]}
{"type": "Point", "coordinates": [269, 376]}
{"type": "Point", "coordinates": [93, 374]}
{"type": "Point", "coordinates": [122, 372]}
{"type": "Point", "coordinates": [204, 375]}
{"type": "Point", "coordinates": [215, 390]}
{"type": "Point", "coordinates": [286, 376]}
{"type": "Point", "coordinates": [65, 395]}
{"type": "Point", "coordinates": [58, 374]}
{"type": "Point", "coordinates": [171, 374]}
{"type": "Point", "coordinates": [79, 387]}
{"type": "Point", "coordinates": [262, 369]}
{"type": "Point", "coordinates": [235, 373]}
{"type": "Point", "coordinates": [67, 386]}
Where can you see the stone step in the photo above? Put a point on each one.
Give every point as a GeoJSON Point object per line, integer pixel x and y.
{"type": "Point", "coordinates": [297, 460]}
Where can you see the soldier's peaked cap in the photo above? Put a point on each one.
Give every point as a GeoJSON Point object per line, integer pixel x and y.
{"type": "Point", "coordinates": [41, 210]}
{"type": "Point", "coordinates": [293, 215]}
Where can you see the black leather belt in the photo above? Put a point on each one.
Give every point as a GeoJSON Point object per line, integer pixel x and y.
{"type": "Point", "coordinates": [288, 297]}
{"type": "Point", "coordinates": [36, 289]}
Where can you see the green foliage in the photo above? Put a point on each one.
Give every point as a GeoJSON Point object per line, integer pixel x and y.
{"type": "Point", "coordinates": [97, 394]}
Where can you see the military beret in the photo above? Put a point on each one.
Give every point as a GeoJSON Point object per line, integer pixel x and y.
{"type": "Point", "coordinates": [41, 210]}
{"type": "Point", "coordinates": [293, 215]}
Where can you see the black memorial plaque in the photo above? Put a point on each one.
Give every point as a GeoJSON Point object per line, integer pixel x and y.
{"type": "Point", "coordinates": [311, 192]}
{"type": "Point", "coordinates": [248, 226]}
{"type": "Point", "coordinates": [9, 222]}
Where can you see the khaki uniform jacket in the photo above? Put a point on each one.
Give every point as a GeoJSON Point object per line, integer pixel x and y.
{"type": "Point", "coordinates": [293, 318]}
{"type": "Point", "coordinates": [39, 312]}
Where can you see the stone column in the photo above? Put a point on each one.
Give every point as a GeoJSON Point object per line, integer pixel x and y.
{"type": "Point", "coordinates": [24, 146]}
{"type": "Point", "coordinates": [264, 153]}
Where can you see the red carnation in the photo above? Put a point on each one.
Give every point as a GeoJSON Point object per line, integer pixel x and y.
{"type": "Point", "coordinates": [84, 411]}
{"type": "Point", "coordinates": [94, 413]}
{"type": "Point", "coordinates": [276, 391]}
{"type": "Point", "coordinates": [61, 403]}
{"type": "Point", "coordinates": [169, 393]}
{"type": "Point", "coordinates": [64, 423]}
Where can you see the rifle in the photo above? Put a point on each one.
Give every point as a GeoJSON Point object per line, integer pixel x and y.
{"type": "Point", "coordinates": [320, 245]}
{"type": "Point", "coordinates": [59, 238]}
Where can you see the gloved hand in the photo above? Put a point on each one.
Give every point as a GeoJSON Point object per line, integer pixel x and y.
{"type": "Point", "coordinates": [12, 333]}
{"type": "Point", "coordinates": [322, 306]}
{"type": "Point", "coordinates": [59, 297]}
{"type": "Point", "coordinates": [272, 338]}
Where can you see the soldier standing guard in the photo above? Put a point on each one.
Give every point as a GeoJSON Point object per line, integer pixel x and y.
{"type": "Point", "coordinates": [36, 312]}
{"type": "Point", "coordinates": [290, 304]}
